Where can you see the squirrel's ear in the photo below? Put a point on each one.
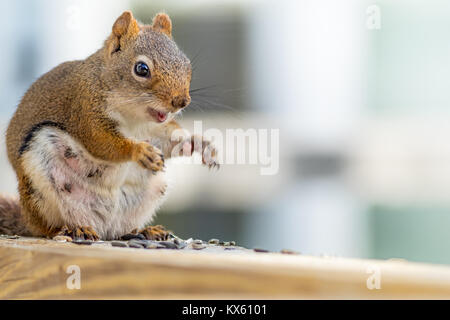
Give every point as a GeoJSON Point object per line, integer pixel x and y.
{"type": "Point", "coordinates": [124, 29]}
{"type": "Point", "coordinates": [162, 23]}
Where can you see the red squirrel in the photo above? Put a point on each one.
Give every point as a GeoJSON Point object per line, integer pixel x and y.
{"type": "Point", "coordinates": [81, 138]}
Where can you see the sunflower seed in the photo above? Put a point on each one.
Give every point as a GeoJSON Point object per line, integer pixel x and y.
{"type": "Point", "coordinates": [130, 236]}
{"type": "Point", "coordinates": [136, 244]}
{"type": "Point", "coordinates": [154, 245]}
{"type": "Point", "coordinates": [287, 251]}
{"type": "Point", "coordinates": [260, 250]}
{"type": "Point", "coordinates": [82, 242]}
{"type": "Point", "coordinates": [168, 244]}
{"type": "Point", "coordinates": [181, 245]}
{"type": "Point", "coordinates": [232, 243]}
{"type": "Point", "coordinates": [197, 246]}
{"type": "Point", "coordinates": [214, 241]}
{"type": "Point", "coordinates": [119, 244]}
{"type": "Point", "coordinates": [143, 243]}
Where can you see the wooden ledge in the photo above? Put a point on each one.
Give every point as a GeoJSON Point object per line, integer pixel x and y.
{"type": "Point", "coordinates": [37, 269]}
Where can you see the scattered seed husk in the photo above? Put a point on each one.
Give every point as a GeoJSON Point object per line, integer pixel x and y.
{"type": "Point", "coordinates": [214, 241]}
{"type": "Point", "coordinates": [197, 246]}
{"type": "Point", "coordinates": [119, 244]}
{"type": "Point", "coordinates": [82, 242]}
{"type": "Point", "coordinates": [181, 245]}
{"type": "Point", "coordinates": [154, 245]}
{"type": "Point", "coordinates": [10, 237]}
{"type": "Point", "coordinates": [168, 244]}
{"type": "Point", "coordinates": [62, 239]}
{"type": "Point", "coordinates": [134, 243]}
{"type": "Point", "coordinates": [135, 246]}
{"type": "Point", "coordinates": [287, 251]}
{"type": "Point", "coordinates": [130, 236]}
{"type": "Point", "coordinates": [135, 240]}
{"type": "Point", "coordinates": [143, 243]}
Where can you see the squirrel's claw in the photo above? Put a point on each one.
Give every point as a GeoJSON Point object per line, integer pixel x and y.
{"type": "Point", "coordinates": [158, 233]}
{"type": "Point", "coordinates": [79, 233]}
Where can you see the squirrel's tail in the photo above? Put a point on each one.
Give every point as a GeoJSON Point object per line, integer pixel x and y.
{"type": "Point", "coordinates": [11, 220]}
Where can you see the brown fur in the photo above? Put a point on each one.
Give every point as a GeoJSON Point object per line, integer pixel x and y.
{"type": "Point", "coordinates": [73, 96]}
{"type": "Point", "coordinates": [11, 221]}
{"type": "Point", "coordinates": [158, 233]}
{"type": "Point", "coordinates": [162, 23]}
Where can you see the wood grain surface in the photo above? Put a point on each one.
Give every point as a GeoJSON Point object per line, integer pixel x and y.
{"type": "Point", "coordinates": [37, 269]}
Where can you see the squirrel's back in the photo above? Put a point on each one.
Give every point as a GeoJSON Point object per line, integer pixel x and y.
{"type": "Point", "coordinates": [47, 100]}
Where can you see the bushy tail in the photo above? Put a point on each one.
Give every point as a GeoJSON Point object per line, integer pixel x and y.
{"type": "Point", "coordinates": [11, 220]}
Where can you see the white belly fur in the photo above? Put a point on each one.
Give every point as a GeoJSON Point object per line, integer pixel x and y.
{"type": "Point", "coordinates": [79, 190]}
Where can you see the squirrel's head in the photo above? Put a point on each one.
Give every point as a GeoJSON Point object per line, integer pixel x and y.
{"type": "Point", "coordinates": [148, 75]}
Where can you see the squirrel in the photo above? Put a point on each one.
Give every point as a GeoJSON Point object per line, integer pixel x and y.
{"type": "Point", "coordinates": [89, 139]}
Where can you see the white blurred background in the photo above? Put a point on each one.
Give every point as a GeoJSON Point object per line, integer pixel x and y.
{"type": "Point", "coordinates": [363, 110]}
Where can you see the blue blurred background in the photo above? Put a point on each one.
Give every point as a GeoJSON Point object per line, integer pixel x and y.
{"type": "Point", "coordinates": [358, 89]}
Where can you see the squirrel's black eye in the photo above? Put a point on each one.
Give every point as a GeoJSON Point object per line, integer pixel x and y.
{"type": "Point", "coordinates": [142, 70]}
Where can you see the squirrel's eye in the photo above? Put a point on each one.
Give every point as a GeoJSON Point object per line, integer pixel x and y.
{"type": "Point", "coordinates": [142, 70]}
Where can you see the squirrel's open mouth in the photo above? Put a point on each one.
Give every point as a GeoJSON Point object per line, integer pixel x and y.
{"type": "Point", "coordinates": [159, 116]}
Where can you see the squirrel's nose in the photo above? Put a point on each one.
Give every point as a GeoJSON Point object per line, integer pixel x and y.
{"type": "Point", "coordinates": [180, 102]}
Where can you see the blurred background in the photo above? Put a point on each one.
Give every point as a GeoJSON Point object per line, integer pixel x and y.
{"type": "Point", "coordinates": [358, 90]}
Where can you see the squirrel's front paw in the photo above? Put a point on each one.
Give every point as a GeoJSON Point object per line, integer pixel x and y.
{"type": "Point", "coordinates": [149, 157]}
